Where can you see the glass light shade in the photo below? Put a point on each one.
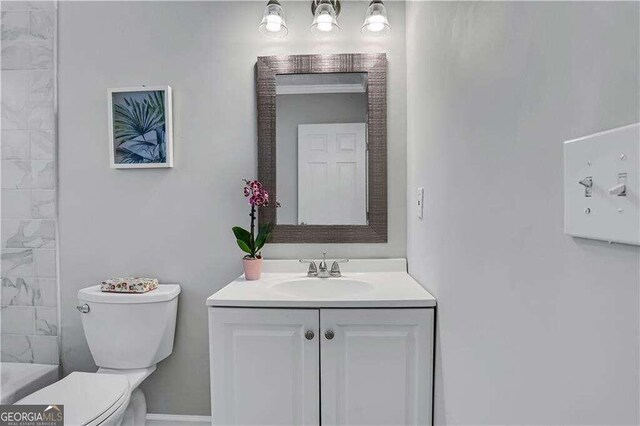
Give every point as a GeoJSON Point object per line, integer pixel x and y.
{"type": "Point", "coordinates": [324, 20]}
{"type": "Point", "coordinates": [375, 21]}
{"type": "Point", "coordinates": [273, 23]}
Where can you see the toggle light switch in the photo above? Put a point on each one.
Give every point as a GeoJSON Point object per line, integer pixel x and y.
{"type": "Point", "coordinates": [588, 185]}
{"type": "Point", "coordinates": [602, 185]}
{"type": "Point", "coordinates": [620, 189]}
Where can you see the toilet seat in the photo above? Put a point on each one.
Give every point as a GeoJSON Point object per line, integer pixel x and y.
{"type": "Point", "coordinates": [88, 398]}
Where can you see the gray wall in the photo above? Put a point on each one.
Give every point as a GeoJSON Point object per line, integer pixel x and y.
{"type": "Point", "coordinates": [175, 224]}
{"type": "Point", "coordinates": [534, 327]}
{"type": "Point", "coordinates": [29, 288]}
{"type": "Point", "coordinates": [292, 110]}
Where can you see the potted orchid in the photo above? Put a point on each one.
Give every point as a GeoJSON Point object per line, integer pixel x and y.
{"type": "Point", "coordinates": [248, 242]}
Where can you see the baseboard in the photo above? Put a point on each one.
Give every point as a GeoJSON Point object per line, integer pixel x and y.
{"type": "Point", "coordinates": [178, 418]}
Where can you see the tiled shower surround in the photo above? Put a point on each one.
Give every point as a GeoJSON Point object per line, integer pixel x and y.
{"type": "Point", "coordinates": [29, 313]}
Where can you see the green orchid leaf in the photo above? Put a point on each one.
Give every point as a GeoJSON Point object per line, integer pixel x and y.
{"type": "Point", "coordinates": [242, 234]}
{"type": "Point", "coordinates": [263, 235]}
{"type": "Point", "coordinates": [243, 246]}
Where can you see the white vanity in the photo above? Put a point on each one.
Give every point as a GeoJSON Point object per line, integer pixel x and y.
{"type": "Point", "coordinates": [293, 350]}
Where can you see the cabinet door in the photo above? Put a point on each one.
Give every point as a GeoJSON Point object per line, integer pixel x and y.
{"type": "Point", "coordinates": [264, 371]}
{"type": "Point", "coordinates": [377, 369]}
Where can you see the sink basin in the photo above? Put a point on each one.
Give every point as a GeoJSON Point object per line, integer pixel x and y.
{"type": "Point", "coordinates": [366, 283]}
{"type": "Point", "coordinates": [318, 288]}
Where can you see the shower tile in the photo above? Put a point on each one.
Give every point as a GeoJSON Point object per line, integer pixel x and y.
{"type": "Point", "coordinates": [13, 6]}
{"type": "Point", "coordinates": [46, 292]}
{"type": "Point", "coordinates": [15, 86]}
{"type": "Point", "coordinates": [28, 233]}
{"type": "Point", "coordinates": [17, 292]}
{"type": "Point", "coordinates": [43, 176]}
{"type": "Point", "coordinates": [44, 263]}
{"type": "Point", "coordinates": [15, 145]}
{"type": "Point", "coordinates": [40, 85]}
{"type": "Point", "coordinates": [16, 349]}
{"type": "Point", "coordinates": [30, 349]}
{"type": "Point", "coordinates": [45, 349]}
{"type": "Point", "coordinates": [17, 319]}
{"type": "Point", "coordinates": [46, 321]}
{"type": "Point", "coordinates": [16, 174]}
{"type": "Point", "coordinates": [15, 25]}
{"type": "Point", "coordinates": [43, 5]}
{"type": "Point", "coordinates": [29, 292]}
{"type": "Point", "coordinates": [41, 55]}
{"type": "Point", "coordinates": [42, 204]}
{"type": "Point", "coordinates": [16, 204]}
{"type": "Point", "coordinates": [15, 55]}
{"type": "Point", "coordinates": [40, 115]}
{"type": "Point", "coordinates": [42, 144]}
{"type": "Point", "coordinates": [17, 263]}
{"type": "Point", "coordinates": [15, 116]}
{"type": "Point", "coordinates": [41, 24]}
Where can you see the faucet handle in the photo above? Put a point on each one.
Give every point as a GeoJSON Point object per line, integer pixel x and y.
{"type": "Point", "coordinates": [323, 264]}
{"type": "Point", "coordinates": [335, 267]}
{"type": "Point", "coordinates": [313, 269]}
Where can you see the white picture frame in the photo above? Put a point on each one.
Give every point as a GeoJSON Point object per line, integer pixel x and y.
{"type": "Point", "coordinates": [136, 143]}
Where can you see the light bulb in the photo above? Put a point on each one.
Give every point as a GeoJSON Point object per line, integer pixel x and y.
{"type": "Point", "coordinates": [325, 22]}
{"type": "Point", "coordinates": [375, 23]}
{"type": "Point", "coordinates": [274, 23]}
{"type": "Point", "coordinates": [324, 19]}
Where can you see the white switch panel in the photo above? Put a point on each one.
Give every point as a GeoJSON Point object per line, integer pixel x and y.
{"type": "Point", "coordinates": [420, 202]}
{"type": "Point", "coordinates": [602, 186]}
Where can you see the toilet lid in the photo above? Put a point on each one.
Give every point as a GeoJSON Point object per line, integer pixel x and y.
{"type": "Point", "coordinates": [85, 396]}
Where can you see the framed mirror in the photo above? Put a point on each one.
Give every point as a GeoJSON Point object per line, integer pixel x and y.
{"type": "Point", "coordinates": [322, 147]}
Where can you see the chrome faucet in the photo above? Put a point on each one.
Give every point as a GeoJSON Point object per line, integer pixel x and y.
{"type": "Point", "coordinates": [313, 269]}
{"type": "Point", "coordinates": [335, 268]}
{"type": "Point", "coordinates": [322, 268]}
{"type": "Point", "coordinates": [322, 271]}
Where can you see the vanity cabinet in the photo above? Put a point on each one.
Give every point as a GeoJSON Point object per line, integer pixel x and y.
{"type": "Point", "coordinates": [328, 366]}
{"type": "Point", "coordinates": [263, 368]}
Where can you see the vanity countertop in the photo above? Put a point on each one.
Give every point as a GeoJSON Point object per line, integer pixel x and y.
{"type": "Point", "coordinates": [366, 283]}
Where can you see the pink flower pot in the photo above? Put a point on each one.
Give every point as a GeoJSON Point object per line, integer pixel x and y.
{"type": "Point", "coordinates": [252, 269]}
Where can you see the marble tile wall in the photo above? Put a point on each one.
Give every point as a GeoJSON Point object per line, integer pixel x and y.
{"type": "Point", "coordinates": [29, 295]}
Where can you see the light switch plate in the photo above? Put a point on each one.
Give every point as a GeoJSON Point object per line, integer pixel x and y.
{"type": "Point", "coordinates": [595, 166]}
{"type": "Point", "coordinates": [420, 202]}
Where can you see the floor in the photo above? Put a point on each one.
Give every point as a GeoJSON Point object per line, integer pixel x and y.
{"type": "Point", "coordinates": [179, 420]}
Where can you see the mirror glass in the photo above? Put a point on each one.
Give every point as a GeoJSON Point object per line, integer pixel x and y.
{"type": "Point", "coordinates": [321, 149]}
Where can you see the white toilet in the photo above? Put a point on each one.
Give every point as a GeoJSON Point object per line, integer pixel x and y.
{"type": "Point", "coordinates": [128, 334]}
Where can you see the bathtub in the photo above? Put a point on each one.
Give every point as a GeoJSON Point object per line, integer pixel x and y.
{"type": "Point", "coordinates": [18, 380]}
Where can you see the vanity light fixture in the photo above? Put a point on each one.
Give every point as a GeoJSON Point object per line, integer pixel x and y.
{"type": "Point", "coordinates": [324, 17]}
{"type": "Point", "coordinates": [273, 23]}
{"type": "Point", "coordinates": [375, 21]}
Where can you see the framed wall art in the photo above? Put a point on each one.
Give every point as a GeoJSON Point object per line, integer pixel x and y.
{"type": "Point", "coordinates": [140, 127]}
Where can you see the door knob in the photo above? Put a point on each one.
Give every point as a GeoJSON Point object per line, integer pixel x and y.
{"type": "Point", "coordinates": [309, 335]}
{"type": "Point", "coordinates": [329, 334]}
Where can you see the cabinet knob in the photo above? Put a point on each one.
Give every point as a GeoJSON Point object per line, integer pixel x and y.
{"type": "Point", "coordinates": [329, 334]}
{"type": "Point", "coordinates": [309, 335]}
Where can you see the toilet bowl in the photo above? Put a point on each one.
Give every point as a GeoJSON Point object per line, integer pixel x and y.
{"type": "Point", "coordinates": [128, 334]}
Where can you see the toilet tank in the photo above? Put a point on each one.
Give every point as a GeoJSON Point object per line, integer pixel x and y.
{"type": "Point", "coordinates": [129, 330]}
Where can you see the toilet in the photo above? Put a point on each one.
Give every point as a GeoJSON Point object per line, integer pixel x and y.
{"type": "Point", "coordinates": [128, 334]}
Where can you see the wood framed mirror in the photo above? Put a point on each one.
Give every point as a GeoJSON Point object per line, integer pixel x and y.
{"type": "Point", "coordinates": [322, 146]}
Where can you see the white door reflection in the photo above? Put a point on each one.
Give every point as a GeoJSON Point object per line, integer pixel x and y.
{"type": "Point", "coordinates": [332, 174]}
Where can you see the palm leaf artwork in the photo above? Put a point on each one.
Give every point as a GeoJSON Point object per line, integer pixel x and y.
{"type": "Point", "coordinates": [139, 128]}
